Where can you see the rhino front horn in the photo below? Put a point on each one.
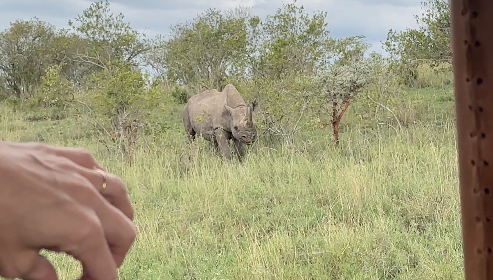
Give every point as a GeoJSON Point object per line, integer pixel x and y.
{"type": "Point", "coordinates": [248, 117]}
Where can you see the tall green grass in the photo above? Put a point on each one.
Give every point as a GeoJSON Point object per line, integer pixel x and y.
{"type": "Point", "coordinates": [382, 205]}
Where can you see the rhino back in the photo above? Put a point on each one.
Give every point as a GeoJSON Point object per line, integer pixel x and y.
{"type": "Point", "coordinates": [206, 111]}
{"type": "Point", "coordinates": [203, 95]}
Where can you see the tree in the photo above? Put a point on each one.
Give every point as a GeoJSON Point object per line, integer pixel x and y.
{"type": "Point", "coordinates": [341, 84]}
{"type": "Point", "coordinates": [110, 57]}
{"type": "Point", "coordinates": [208, 49]}
{"type": "Point", "coordinates": [301, 72]}
{"type": "Point", "coordinates": [430, 43]}
{"type": "Point", "coordinates": [290, 42]}
{"type": "Point", "coordinates": [349, 50]}
{"type": "Point", "coordinates": [123, 95]}
{"type": "Point", "coordinates": [108, 37]}
{"type": "Point", "coordinates": [27, 49]}
{"type": "Point", "coordinates": [284, 51]}
{"type": "Point", "coordinates": [55, 90]}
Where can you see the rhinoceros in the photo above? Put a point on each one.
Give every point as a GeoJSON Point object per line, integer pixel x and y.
{"type": "Point", "coordinates": [219, 117]}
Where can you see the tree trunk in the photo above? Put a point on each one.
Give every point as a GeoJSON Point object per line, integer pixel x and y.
{"type": "Point", "coordinates": [336, 119]}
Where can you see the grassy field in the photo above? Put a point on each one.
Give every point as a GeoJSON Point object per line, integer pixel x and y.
{"type": "Point", "coordinates": [383, 205]}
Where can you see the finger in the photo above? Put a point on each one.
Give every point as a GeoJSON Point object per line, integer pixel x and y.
{"type": "Point", "coordinates": [114, 192]}
{"type": "Point", "coordinates": [75, 229]}
{"type": "Point", "coordinates": [28, 265]}
{"type": "Point", "coordinates": [75, 180]}
{"type": "Point", "coordinates": [118, 229]}
{"type": "Point", "coordinates": [40, 268]}
{"type": "Point", "coordinates": [117, 195]}
{"type": "Point", "coordinates": [88, 245]}
{"type": "Point", "coordinates": [78, 155]}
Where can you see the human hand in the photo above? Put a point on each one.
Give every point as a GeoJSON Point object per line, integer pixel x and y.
{"type": "Point", "coordinates": [52, 198]}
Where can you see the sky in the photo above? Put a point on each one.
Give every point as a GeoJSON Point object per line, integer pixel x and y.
{"type": "Point", "coordinates": [372, 18]}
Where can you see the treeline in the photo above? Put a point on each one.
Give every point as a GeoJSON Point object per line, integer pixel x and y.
{"type": "Point", "coordinates": [288, 61]}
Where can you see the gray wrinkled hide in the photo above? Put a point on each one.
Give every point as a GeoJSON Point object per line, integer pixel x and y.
{"type": "Point", "coordinates": [219, 117]}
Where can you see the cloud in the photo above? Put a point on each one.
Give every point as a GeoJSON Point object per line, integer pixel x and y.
{"type": "Point", "coordinates": [174, 5]}
{"type": "Point", "coordinates": [56, 12]}
{"type": "Point", "coordinates": [372, 18]}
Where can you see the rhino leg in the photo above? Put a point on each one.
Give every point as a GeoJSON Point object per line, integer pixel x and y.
{"type": "Point", "coordinates": [215, 145]}
{"type": "Point", "coordinates": [239, 149]}
{"type": "Point", "coordinates": [191, 135]}
{"type": "Point", "coordinates": [188, 124]}
{"type": "Point", "coordinates": [222, 138]}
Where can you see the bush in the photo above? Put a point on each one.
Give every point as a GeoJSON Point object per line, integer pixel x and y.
{"type": "Point", "coordinates": [54, 91]}
{"type": "Point", "coordinates": [180, 94]}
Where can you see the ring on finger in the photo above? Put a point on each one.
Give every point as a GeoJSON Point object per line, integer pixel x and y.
{"type": "Point", "coordinates": [105, 176]}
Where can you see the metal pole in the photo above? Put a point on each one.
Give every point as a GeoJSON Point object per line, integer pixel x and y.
{"type": "Point", "coordinates": [472, 45]}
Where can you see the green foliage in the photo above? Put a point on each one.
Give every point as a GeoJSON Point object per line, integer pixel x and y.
{"type": "Point", "coordinates": [215, 48]}
{"type": "Point", "coordinates": [287, 105]}
{"type": "Point", "coordinates": [206, 50]}
{"type": "Point", "coordinates": [429, 44]}
{"type": "Point", "coordinates": [122, 96]}
{"type": "Point", "coordinates": [27, 49]}
{"type": "Point", "coordinates": [295, 101]}
{"type": "Point", "coordinates": [55, 91]}
{"type": "Point", "coordinates": [349, 50]}
{"type": "Point", "coordinates": [121, 88]}
{"type": "Point", "coordinates": [385, 86]}
{"type": "Point", "coordinates": [180, 94]}
{"type": "Point", "coordinates": [343, 82]}
{"type": "Point", "coordinates": [108, 35]}
{"type": "Point", "coordinates": [289, 42]}
{"type": "Point", "coordinates": [287, 60]}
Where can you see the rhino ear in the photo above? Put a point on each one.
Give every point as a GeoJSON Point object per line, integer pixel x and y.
{"type": "Point", "coordinates": [254, 105]}
{"type": "Point", "coordinates": [229, 109]}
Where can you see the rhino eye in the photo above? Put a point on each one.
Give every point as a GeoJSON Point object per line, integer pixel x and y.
{"type": "Point", "coordinates": [235, 128]}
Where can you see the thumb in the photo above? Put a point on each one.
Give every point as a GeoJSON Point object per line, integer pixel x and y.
{"type": "Point", "coordinates": [40, 269]}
